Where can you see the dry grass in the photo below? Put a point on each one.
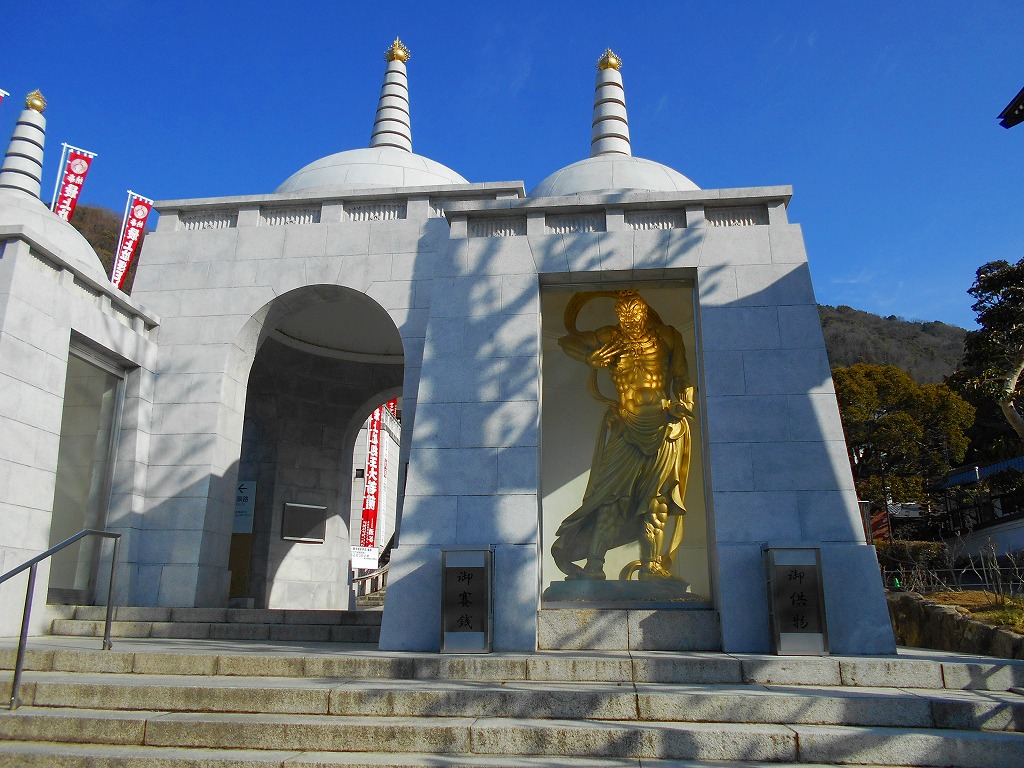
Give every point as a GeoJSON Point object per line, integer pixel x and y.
{"type": "Point", "coordinates": [985, 606]}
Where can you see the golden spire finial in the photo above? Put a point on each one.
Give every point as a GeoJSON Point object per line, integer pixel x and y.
{"type": "Point", "coordinates": [397, 52]}
{"type": "Point", "coordinates": [35, 101]}
{"type": "Point", "coordinates": [609, 60]}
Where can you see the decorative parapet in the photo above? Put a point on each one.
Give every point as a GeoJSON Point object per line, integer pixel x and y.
{"type": "Point", "coordinates": [565, 224]}
{"type": "Point", "coordinates": [195, 220]}
{"type": "Point", "coordinates": [612, 212]}
{"type": "Point", "coordinates": [311, 207]}
{"type": "Point", "coordinates": [275, 217]}
{"type": "Point", "coordinates": [490, 210]}
{"type": "Point", "coordinates": [736, 215]}
{"type": "Point", "coordinates": [506, 226]}
{"type": "Point", "coordinates": [376, 210]}
{"type": "Point", "coordinates": [642, 220]}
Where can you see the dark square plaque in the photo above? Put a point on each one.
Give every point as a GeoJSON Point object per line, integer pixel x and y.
{"type": "Point", "coordinates": [304, 522]}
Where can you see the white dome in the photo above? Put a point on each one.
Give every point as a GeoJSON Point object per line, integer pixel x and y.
{"type": "Point", "coordinates": [19, 208]}
{"type": "Point", "coordinates": [613, 172]}
{"type": "Point", "coordinates": [372, 167]}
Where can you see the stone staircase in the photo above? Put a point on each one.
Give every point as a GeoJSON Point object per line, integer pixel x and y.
{"type": "Point", "coordinates": [218, 623]}
{"type": "Point", "coordinates": [372, 600]}
{"type": "Point", "coordinates": [209, 703]}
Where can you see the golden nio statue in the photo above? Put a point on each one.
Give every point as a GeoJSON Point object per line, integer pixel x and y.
{"type": "Point", "coordinates": [642, 458]}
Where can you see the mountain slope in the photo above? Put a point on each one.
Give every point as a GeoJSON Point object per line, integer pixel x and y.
{"type": "Point", "coordinates": [928, 351]}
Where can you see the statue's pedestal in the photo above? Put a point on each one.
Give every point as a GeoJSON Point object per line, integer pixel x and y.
{"type": "Point", "coordinates": [623, 594]}
{"type": "Point", "coordinates": [656, 615]}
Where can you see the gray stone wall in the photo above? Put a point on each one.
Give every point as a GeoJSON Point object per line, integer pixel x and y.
{"type": "Point", "coordinates": [46, 300]}
{"type": "Point", "coordinates": [919, 623]}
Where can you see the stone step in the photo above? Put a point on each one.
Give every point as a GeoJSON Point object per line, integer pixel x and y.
{"type": "Point", "coordinates": [30, 754]}
{"type": "Point", "coordinates": [210, 657]}
{"type": "Point", "coordinates": [336, 633]}
{"type": "Point", "coordinates": [218, 624]}
{"type": "Point", "coordinates": [514, 736]}
{"type": "Point", "coordinates": [905, 708]}
{"type": "Point", "coordinates": [225, 615]}
{"type": "Point", "coordinates": [376, 600]}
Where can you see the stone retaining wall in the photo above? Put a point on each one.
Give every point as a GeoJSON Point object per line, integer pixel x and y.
{"type": "Point", "coordinates": [919, 623]}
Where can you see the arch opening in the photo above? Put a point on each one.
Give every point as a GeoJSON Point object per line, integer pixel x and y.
{"type": "Point", "coordinates": [319, 356]}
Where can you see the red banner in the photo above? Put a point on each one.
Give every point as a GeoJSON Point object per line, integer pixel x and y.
{"type": "Point", "coordinates": [376, 472]}
{"type": "Point", "coordinates": [71, 180]}
{"type": "Point", "coordinates": [132, 227]}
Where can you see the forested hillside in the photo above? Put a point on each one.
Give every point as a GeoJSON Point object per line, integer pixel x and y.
{"type": "Point", "coordinates": [101, 227]}
{"type": "Point", "coordinates": [928, 351]}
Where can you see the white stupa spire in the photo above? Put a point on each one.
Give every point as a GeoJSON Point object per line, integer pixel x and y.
{"type": "Point", "coordinates": [610, 134]}
{"type": "Point", "coordinates": [23, 163]}
{"type": "Point", "coordinates": [391, 126]}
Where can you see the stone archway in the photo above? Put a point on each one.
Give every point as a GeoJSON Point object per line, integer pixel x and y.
{"type": "Point", "coordinates": [319, 355]}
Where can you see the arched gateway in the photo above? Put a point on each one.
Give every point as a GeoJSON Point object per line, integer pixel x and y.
{"type": "Point", "coordinates": [620, 375]}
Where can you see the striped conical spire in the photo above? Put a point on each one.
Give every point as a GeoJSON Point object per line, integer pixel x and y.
{"type": "Point", "coordinates": [391, 126]}
{"type": "Point", "coordinates": [23, 163]}
{"type": "Point", "coordinates": [610, 134]}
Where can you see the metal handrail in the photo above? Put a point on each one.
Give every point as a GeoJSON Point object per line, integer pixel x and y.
{"type": "Point", "coordinates": [371, 582]}
{"type": "Point", "coordinates": [31, 565]}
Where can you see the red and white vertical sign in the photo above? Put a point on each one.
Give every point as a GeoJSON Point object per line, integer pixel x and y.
{"type": "Point", "coordinates": [69, 183]}
{"type": "Point", "coordinates": [372, 479]}
{"type": "Point", "coordinates": [374, 490]}
{"type": "Point", "coordinates": [134, 224]}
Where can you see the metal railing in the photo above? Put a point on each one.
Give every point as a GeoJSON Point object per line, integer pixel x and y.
{"type": "Point", "coordinates": [371, 582]}
{"type": "Point", "coordinates": [31, 565]}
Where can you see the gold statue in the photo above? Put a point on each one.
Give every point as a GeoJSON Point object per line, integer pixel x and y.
{"type": "Point", "coordinates": [642, 458]}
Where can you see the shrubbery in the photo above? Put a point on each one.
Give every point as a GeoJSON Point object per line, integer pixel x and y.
{"type": "Point", "coordinates": [913, 565]}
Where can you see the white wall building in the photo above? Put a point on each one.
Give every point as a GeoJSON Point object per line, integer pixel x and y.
{"type": "Point", "coordinates": [264, 329]}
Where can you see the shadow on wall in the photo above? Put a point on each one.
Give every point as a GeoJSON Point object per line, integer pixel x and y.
{"type": "Point", "coordinates": [776, 461]}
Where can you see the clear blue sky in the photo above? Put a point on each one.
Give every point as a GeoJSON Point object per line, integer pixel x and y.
{"type": "Point", "coordinates": [882, 116]}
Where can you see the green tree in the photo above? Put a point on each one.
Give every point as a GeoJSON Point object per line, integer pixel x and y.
{"type": "Point", "coordinates": [994, 355]}
{"type": "Point", "coordinates": [900, 435]}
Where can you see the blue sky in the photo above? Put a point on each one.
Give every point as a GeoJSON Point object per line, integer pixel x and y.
{"type": "Point", "coordinates": [882, 116]}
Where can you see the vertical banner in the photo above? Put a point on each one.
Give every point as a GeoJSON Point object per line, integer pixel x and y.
{"type": "Point", "coordinates": [374, 493]}
{"type": "Point", "coordinates": [135, 214]}
{"type": "Point", "coordinates": [380, 523]}
{"type": "Point", "coordinates": [371, 489]}
{"type": "Point", "coordinates": [75, 165]}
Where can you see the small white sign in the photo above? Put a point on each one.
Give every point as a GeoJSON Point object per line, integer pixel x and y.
{"type": "Point", "coordinates": [365, 557]}
{"type": "Point", "coordinates": [245, 506]}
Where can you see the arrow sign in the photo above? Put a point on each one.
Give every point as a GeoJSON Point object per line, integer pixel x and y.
{"type": "Point", "coordinates": [245, 507]}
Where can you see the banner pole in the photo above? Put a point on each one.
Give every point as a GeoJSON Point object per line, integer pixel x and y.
{"type": "Point", "coordinates": [120, 236]}
{"type": "Point", "coordinates": [60, 172]}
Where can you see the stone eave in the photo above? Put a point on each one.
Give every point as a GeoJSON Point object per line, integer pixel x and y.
{"type": "Point", "coordinates": [41, 247]}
